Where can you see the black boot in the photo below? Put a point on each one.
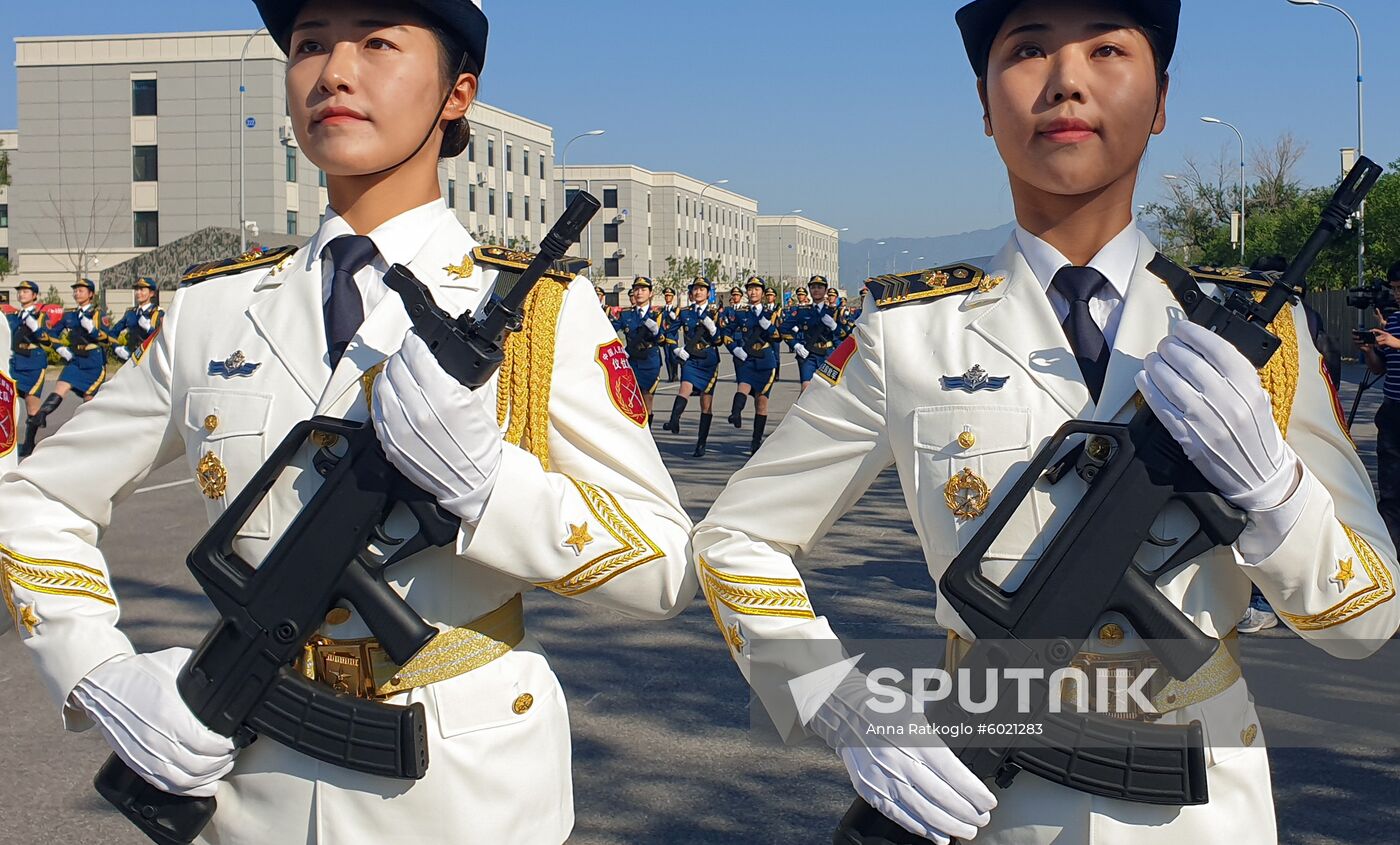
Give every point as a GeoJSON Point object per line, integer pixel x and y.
{"type": "Point", "coordinates": [38, 421]}
{"type": "Point", "coordinates": [705, 420]}
{"type": "Point", "coordinates": [651, 418]}
{"type": "Point", "coordinates": [736, 411]}
{"type": "Point", "coordinates": [760, 422]}
{"type": "Point", "coordinates": [673, 425]}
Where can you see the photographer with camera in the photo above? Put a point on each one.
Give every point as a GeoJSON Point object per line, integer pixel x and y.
{"type": "Point", "coordinates": [1381, 349]}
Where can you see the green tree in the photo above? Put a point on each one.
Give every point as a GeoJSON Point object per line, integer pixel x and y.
{"type": "Point", "coordinates": [4, 168]}
{"type": "Point", "coordinates": [52, 296]}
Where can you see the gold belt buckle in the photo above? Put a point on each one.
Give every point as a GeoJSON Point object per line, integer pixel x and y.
{"type": "Point", "coordinates": [346, 667]}
{"type": "Point", "coordinates": [1090, 664]}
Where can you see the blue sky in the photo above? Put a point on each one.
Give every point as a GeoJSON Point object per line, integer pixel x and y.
{"type": "Point", "coordinates": [862, 114]}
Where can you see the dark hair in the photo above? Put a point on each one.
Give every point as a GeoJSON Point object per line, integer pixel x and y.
{"type": "Point", "coordinates": [1394, 274]}
{"type": "Point", "coordinates": [1270, 263]}
{"type": "Point", "coordinates": [457, 133]}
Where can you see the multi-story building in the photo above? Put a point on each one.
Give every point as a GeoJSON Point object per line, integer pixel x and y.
{"type": "Point", "coordinates": [134, 141]}
{"type": "Point", "coordinates": [792, 249]}
{"type": "Point", "coordinates": [9, 144]}
{"type": "Point", "coordinates": [649, 217]}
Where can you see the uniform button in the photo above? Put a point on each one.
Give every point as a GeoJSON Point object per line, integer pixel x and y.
{"type": "Point", "coordinates": [211, 422]}
{"type": "Point", "coordinates": [1099, 447]}
{"type": "Point", "coordinates": [1111, 634]}
{"type": "Point", "coordinates": [967, 440]}
{"type": "Point", "coordinates": [338, 616]}
{"type": "Point", "coordinates": [1249, 734]}
{"type": "Point", "coordinates": [523, 702]}
{"type": "Point", "coordinates": [324, 439]}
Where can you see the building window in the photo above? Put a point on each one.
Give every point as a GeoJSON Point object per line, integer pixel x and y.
{"type": "Point", "coordinates": [544, 211]}
{"type": "Point", "coordinates": [525, 161]}
{"type": "Point", "coordinates": [451, 193]}
{"type": "Point", "coordinates": [143, 97]}
{"type": "Point", "coordinates": [145, 228]}
{"type": "Point", "coordinates": [610, 198]}
{"type": "Point", "coordinates": [491, 201]}
{"type": "Point", "coordinates": [144, 164]}
{"type": "Point", "coordinates": [291, 163]}
{"type": "Point", "coordinates": [610, 233]}
{"type": "Point", "coordinates": [527, 207]}
{"type": "Point", "coordinates": [471, 146]}
{"type": "Point", "coordinates": [612, 267]}
{"type": "Point", "coordinates": [4, 216]}
{"type": "Point", "coordinates": [510, 204]}
{"type": "Point", "coordinates": [490, 152]}
{"type": "Point", "coordinates": [569, 195]}
{"type": "Point", "coordinates": [542, 173]}
{"type": "Point", "coordinates": [291, 222]}
{"type": "Point", "coordinates": [471, 198]}
{"type": "Point", "coordinates": [510, 158]}
{"type": "Point", "coordinates": [320, 178]}
{"type": "Point", "coordinates": [648, 202]}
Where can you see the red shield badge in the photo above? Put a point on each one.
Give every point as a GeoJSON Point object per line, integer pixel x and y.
{"type": "Point", "coordinates": [623, 390]}
{"type": "Point", "coordinates": [835, 364]}
{"type": "Point", "coordinates": [8, 429]}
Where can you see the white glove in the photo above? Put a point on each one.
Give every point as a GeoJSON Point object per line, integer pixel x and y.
{"type": "Point", "coordinates": [653, 326]}
{"type": "Point", "coordinates": [65, 353]}
{"type": "Point", "coordinates": [800, 350]}
{"type": "Point", "coordinates": [740, 353]}
{"type": "Point", "coordinates": [439, 434]}
{"type": "Point", "coordinates": [765, 323]}
{"type": "Point", "coordinates": [829, 321]}
{"type": "Point", "coordinates": [1210, 399]}
{"type": "Point", "coordinates": [709, 325]}
{"type": "Point", "coordinates": [87, 324]}
{"type": "Point", "coordinates": [144, 323]}
{"type": "Point", "coordinates": [122, 352]}
{"type": "Point", "coordinates": [682, 354]}
{"type": "Point", "coordinates": [920, 784]}
{"type": "Point", "coordinates": [134, 701]}
{"type": "Point", "coordinates": [32, 323]}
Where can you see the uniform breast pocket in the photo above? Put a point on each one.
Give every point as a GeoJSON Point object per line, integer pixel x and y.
{"type": "Point", "coordinates": [967, 456]}
{"type": "Point", "coordinates": [226, 441]}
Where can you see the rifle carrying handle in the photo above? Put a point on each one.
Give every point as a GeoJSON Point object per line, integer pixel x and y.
{"type": "Point", "coordinates": [164, 818]}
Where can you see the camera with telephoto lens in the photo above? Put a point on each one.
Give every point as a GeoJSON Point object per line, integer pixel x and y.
{"type": "Point", "coordinates": [1372, 296]}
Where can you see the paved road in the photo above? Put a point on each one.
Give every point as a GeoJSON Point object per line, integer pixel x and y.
{"type": "Point", "coordinates": [662, 746]}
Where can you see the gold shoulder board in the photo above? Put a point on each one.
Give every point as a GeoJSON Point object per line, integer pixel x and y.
{"type": "Point", "coordinates": [515, 261]}
{"type": "Point", "coordinates": [1236, 277]}
{"type": "Point", "coordinates": [250, 260]}
{"type": "Point", "coordinates": [901, 288]}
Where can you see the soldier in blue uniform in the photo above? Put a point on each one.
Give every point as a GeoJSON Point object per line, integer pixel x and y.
{"type": "Point", "coordinates": [29, 359]}
{"type": "Point", "coordinates": [670, 331]}
{"type": "Point", "coordinates": [736, 301]}
{"type": "Point", "coordinates": [78, 340]}
{"type": "Point", "coordinates": [139, 322]}
{"type": "Point", "coordinates": [698, 351]}
{"type": "Point", "coordinates": [641, 331]}
{"type": "Point", "coordinates": [752, 336]}
{"type": "Point", "coordinates": [771, 301]}
{"type": "Point", "coordinates": [819, 328]}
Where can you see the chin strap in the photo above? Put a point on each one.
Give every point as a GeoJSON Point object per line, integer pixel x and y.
{"type": "Point", "coordinates": [461, 66]}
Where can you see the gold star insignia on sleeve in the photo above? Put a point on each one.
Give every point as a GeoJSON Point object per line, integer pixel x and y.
{"type": "Point", "coordinates": [28, 618]}
{"type": "Point", "coordinates": [1344, 574]}
{"type": "Point", "coordinates": [463, 270]}
{"type": "Point", "coordinates": [578, 537]}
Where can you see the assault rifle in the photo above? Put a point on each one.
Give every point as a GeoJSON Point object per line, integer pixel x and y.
{"type": "Point", "coordinates": [1133, 472]}
{"type": "Point", "coordinates": [241, 681]}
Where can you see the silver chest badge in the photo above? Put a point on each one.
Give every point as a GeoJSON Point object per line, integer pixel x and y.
{"type": "Point", "coordinates": [234, 366]}
{"type": "Point", "coordinates": [974, 380]}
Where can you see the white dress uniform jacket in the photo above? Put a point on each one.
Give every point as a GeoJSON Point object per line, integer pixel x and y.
{"type": "Point", "coordinates": [10, 402]}
{"type": "Point", "coordinates": [887, 407]}
{"type": "Point", "coordinates": [499, 734]}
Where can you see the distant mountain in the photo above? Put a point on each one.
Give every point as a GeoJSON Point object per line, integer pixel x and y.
{"type": "Point", "coordinates": [942, 249]}
{"type": "Point", "coordinates": [977, 247]}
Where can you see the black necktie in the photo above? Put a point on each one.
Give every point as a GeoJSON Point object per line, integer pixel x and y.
{"type": "Point", "coordinates": [345, 311]}
{"type": "Point", "coordinates": [1078, 285]}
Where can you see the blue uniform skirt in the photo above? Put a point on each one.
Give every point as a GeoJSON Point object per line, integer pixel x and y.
{"type": "Point", "coordinates": [702, 372]}
{"type": "Point", "coordinates": [86, 372]}
{"type": "Point", "coordinates": [647, 368]}
{"type": "Point", "coordinates": [758, 373]}
{"type": "Point", "coordinates": [29, 368]}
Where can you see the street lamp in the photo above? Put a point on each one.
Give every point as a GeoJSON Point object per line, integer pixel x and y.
{"type": "Point", "coordinates": [868, 250]}
{"type": "Point", "coordinates": [242, 125]}
{"type": "Point", "coordinates": [893, 261]}
{"type": "Point", "coordinates": [704, 221]}
{"type": "Point", "coordinates": [1217, 121]}
{"type": "Point", "coordinates": [564, 168]}
{"type": "Point", "coordinates": [1360, 140]}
